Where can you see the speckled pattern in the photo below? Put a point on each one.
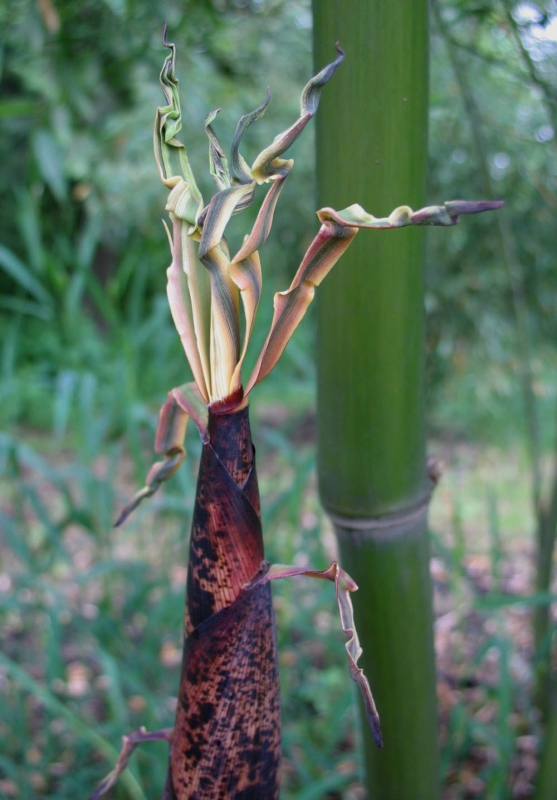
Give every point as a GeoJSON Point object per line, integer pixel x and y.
{"type": "Point", "coordinates": [226, 548]}
{"type": "Point", "coordinates": [227, 741]}
{"type": "Point", "coordinates": [227, 736]}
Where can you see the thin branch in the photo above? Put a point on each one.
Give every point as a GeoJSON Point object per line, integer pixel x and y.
{"type": "Point", "coordinates": [548, 92]}
{"type": "Point", "coordinates": [494, 61]}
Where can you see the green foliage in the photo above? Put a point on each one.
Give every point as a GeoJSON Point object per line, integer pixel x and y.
{"type": "Point", "coordinates": [492, 133]}
{"type": "Point", "coordinates": [82, 250]}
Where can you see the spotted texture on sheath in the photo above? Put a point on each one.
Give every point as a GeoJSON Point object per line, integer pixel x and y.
{"type": "Point", "coordinates": [226, 743]}
{"type": "Point", "coordinates": [226, 547]}
{"type": "Point", "coordinates": [227, 736]}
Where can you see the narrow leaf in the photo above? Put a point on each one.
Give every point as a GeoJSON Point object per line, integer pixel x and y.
{"type": "Point", "coordinates": [290, 306]}
{"type": "Point", "coordinates": [29, 223]}
{"type": "Point", "coordinates": [246, 274]}
{"type": "Point", "coordinates": [268, 164]}
{"type": "Point", "coordinates": [129, 743]}
{"type": "Point", "coordinates": [50, 163]}
{"type": "Point", "coordinates": [168, 123]}
{"type": "Point", "coordinates": [21, 306]}
{"type": "Point", "coordinates": [182, 313]}
{"type": "Point", "coordinates": [218, 164]}
{"type": "Point", "coordinates": [446, 215]}
{"type": "Point", "coordinates": [344, 585]}
{"type": "Point", "coordinates": [169, 442]}
{"type": "Point", "coordinates": [22, 275]}
{"type": "Point", "coordinates": [240, 170]}
{"type": "Point", "coordinates": [264, 221]}
{"type": "Point", "coordinates": [216, 216]}
{"type": "Point", "coordinates": [225, 322]}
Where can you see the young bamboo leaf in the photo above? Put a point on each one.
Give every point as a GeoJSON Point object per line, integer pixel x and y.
{"type": "Point", "coordinates": [168, 123]}
{"type": "Point", "coordinates": [181, 404]}
{"type": "Point", "coordinates": [290, 306]}
{"type": "Point", "coordinates": [192, 403]}
{"type": "Point", "coordinates": [240, 170]}
{"type": "Point", "coordinates": [199, 290]}
{"type": "Point", "coordinates": [336, 233]}
{"type": "Point", "coordinates": [447, 214]}
{"type": "Point", "coordinates": [246, 274]}
{"type": "Point", "coordinates": [344, 584]}
{"type": "Point", "coordinates": [217, 215]}
{"type": "Point", "coordinates": [268, 164]}
{"type": "Point", "coordinates": [263, 222]}
{"type": "Point", "coordinates": [129, 743]}
{"type": "Point", "coordinates": [218, 165]}
{"type": "Point", "coordinates": [225, 327]}
{"type": "Point", "coordinates": [185, 290]}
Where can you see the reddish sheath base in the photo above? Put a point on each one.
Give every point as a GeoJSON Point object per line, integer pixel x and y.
{"type": "Point", "coordinates": [227, 737]}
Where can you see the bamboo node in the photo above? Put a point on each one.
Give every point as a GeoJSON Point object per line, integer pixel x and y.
{"type": "Point", "coordinates": [385, 526]}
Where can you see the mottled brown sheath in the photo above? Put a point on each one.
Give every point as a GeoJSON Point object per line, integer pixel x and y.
{"type": "Point", "coordinates": [226, 743]}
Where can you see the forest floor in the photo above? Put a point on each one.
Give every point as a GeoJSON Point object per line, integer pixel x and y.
{"type": "Point", "coordinates": [482, 565]}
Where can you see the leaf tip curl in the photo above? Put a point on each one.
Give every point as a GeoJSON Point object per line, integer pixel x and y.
{"type": "Point", "coordinates": [472, 206]}
{"type": "Point", "coordinates": [147, 491]}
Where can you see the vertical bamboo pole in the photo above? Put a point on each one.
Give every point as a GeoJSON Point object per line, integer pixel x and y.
{"type": "Point", "coordinates": [372, 149]}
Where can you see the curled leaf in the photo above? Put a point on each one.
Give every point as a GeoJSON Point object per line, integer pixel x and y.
{"type": "Point", "coordinates": [218, 164]}
{"type": "Point", "coordinates": [170, 153]}
{"type": "Point", "coordinates": [240, 170]}
{"type": "Point", "coordinates": [344, 585]}
{"type": "Point", "coordinates": [181, 404]}
{"type": "Point", "coordinates": [129, 743]}
{"type": "Point", "coordinates": [268, 164]}
{"type": "Point", "coordinates": [290, 306]}
{"type": "Point", "coordinates": [446, 215]}
{"type": "Point", "coordinates": [263, 223]}
{"type": "Point", "coordinates": [217, 215]}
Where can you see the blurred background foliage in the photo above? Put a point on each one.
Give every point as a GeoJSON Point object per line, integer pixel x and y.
{"type": "Point", "coordinates": [91, 618]}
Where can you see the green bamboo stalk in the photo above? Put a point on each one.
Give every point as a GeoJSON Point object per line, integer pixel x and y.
{"type": "Point", "coordinates": [372, 149]}
{"type": "Point", "coordinates": [546, 782]}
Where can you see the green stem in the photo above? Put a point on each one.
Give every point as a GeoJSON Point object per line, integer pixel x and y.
{"type": "Point", "coordinates": [372, 150]}
{"type": "Point", "coordinates": [546, 783]}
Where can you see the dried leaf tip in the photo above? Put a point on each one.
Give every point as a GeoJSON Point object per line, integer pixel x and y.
{"type": "Point", "coordinates": [344, 585]}
{"type": "Point", "coordinates": [449, 212]}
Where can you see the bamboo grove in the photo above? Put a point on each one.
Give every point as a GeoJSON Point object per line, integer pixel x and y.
{"type": "Point", "coordinates": [226, 741]}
